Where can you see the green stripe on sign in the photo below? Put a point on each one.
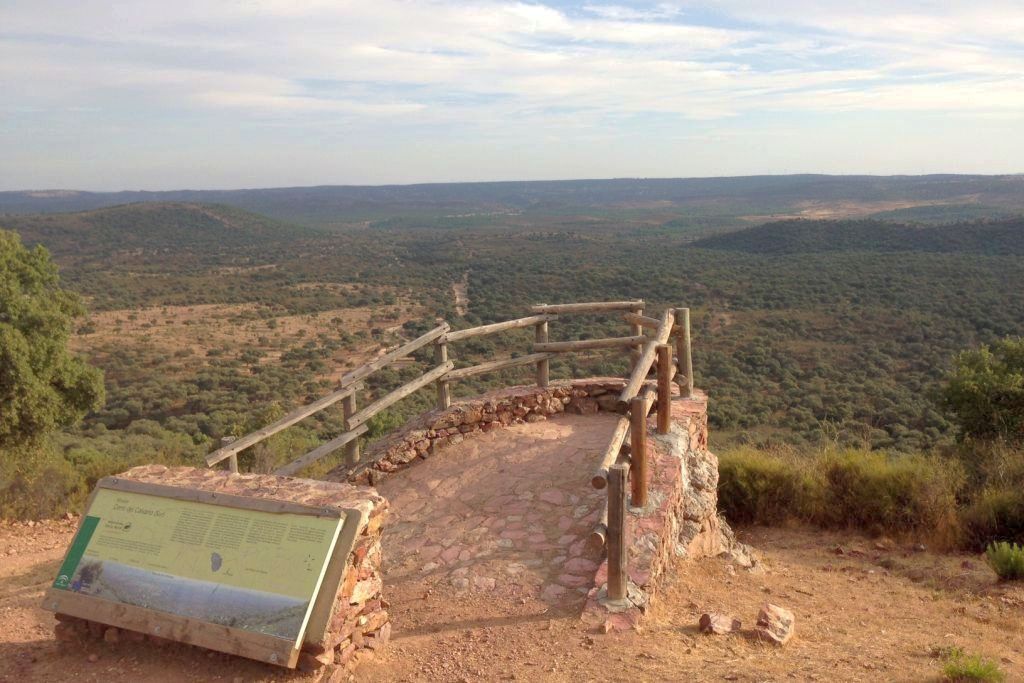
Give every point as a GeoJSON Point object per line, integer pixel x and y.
{"type": "Point", "coordinates": [78, 546]}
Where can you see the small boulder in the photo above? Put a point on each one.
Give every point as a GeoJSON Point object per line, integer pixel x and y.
{"type": "Point", "coordinates": [775, 624]}
{"type": "Point", "coordinates": [718, 624]}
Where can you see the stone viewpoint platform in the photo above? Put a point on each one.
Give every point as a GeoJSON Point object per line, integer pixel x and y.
{"type": "Point", "coordinates": [493, 497]}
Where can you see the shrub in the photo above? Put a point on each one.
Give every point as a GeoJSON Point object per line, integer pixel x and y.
{"type": "Point", "coordinates": [995, 515]}
{"type": "Point", "coordinates": [1006, 560]}
{"type": "Point", "coordinates": [876, 492]}
{"type": "Point", "coordinates": [764, 488]}
{"type": "Point", "coordinates": [886, 494]}
{"type": "Point", "coordinates": [962, 667]}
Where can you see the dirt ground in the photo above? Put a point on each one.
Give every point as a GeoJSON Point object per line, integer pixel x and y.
{"type": "Point", "coordinates": [872, 612]}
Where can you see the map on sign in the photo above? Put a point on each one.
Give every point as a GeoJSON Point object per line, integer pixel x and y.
{"type": "Point", "coordinates": [246, 569]}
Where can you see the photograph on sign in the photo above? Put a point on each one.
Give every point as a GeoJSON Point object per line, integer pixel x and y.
{"type": "Point", "coordinates": [246, 569]}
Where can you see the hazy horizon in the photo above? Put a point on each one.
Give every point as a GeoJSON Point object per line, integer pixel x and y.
{"type": "Point", "coordinates": [154, 97]}
{"type": "Point", "coordinates": [55, 190]}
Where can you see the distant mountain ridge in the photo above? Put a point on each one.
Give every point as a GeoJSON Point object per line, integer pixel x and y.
{"type": "Point", "coordinates": [990, 237]}
{"type": "Point", "coordinates": [323, 204]}
{"type": "Point", "coordinates": [150, 227]}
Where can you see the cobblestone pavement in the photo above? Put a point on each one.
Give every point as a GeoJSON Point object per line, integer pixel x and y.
{"type": "Point", "coordinates": [505, 514]}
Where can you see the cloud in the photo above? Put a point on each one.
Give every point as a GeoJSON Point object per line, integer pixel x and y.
{"type": "Point", "coordinates": [495, 68]}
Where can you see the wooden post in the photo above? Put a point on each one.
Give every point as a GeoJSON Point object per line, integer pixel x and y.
{"type": "Point", "coordinates": [635, 329]}
{"type": "Point", "coordinates": [685, 360]}
{"type": "Point", "coordinates": [618, 551]}
{"type": "Point", "coordinates": [348, 405]}
{"type": "Point", "coordinates": [638, 450]}
{"type": "Point", "coordinates": [540, 336]}
{"type": "Point", "coordinates": [444, 394]}
{"type": "Point", "coordinates": [664, 388]}
{"type": "Point", "coordinates": [233, 463]}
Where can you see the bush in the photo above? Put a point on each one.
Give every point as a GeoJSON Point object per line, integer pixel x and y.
{"type": "Point", "coordinates": [764, 488]}
{"type": "Point", "coordinates": [961, 667]}
{"type": "Point", "coordinates": [995, 515]}
{"type": "Point", "coordinates": [1006, 560]}
{"type": "Point", "coordinates": [886, 494]}
{"type": "Point", "coordinates": [875, 492]}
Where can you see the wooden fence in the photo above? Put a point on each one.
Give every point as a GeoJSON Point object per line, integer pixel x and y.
{"type": "Point", "coordinates": [648, 343]}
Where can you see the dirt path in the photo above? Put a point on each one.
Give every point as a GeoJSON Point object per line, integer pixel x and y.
{"type": "Point", "coordinates": [872, 613]}
{"type": "Point", "coordinates": [460, 290]}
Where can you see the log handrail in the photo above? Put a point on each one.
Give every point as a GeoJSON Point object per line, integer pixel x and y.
{"type": "Point", "coordinates": [398, 394]}
{"type": "Point", "coordinates": [673, 323]}
{"type": "Point", "coordinates": [373, 366]}
{"type": "Point", "coordinates": [494, 365]}
{"type": "Point", "coordinates": [288, 420]}
{"type": "Point", "coordinates": [591, 307]}
{"type": "Point", "coordinates": [494, 328]}
{"type": "Point", "coordinates": [643, 367]}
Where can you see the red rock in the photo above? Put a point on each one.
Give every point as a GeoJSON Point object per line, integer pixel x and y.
{"type": "Point", "coordinates": [775, 624]}
{"type": "Point", "coordinates": [718, 624]}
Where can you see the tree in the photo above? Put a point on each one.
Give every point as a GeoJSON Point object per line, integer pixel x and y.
{"type": "Point", "coordinates": [985, 391]}
{"type": "Point", "coordinates": [42, 385]}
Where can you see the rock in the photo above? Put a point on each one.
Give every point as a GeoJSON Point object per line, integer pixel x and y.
{"type": "Point", "coordinates": [775, 624]}
{"type": "Point", "coordinates": [93, 658]}
{"type": "Point", "coordinates": [718, 624]}
{"type": "Point", "coordinates": [111, 635]}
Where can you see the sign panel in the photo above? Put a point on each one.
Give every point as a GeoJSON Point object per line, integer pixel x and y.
{"type": "Point", "coordinates": [246, 569]}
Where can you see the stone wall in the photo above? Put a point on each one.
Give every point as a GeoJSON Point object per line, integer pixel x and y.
{"type": "Point", "coordinates": [427, 434]}
{"type": "Point", "coordinates": [358, 623]}
{"type": "Point", "coordinates": [680, 520]}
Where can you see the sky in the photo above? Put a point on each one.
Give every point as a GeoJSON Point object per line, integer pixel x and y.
{"type": "Point", "coordinates": [206, 94]}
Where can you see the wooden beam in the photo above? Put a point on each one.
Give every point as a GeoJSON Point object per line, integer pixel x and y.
{"type": "Point", "coordinates": [495, 365]}
{"type": "Point", "coordinates": [398, 394]}
{"type": "Point", "coordinates": [665, 372]}
{"type": "Point", "coordinates": [587, 344]}
{"type": "Point", "coordinates": [444, 393]}
{"type": "Point", "coordinates": [592, 307]}
{"type": "Point", "coordinates": [685, 358]}
{"type": "Point", "coordinates": [611, 453]}
{"type": "Point", "coordinates": [271, 429]}
{"type": "Point", "coordinates": [599, 536]}
{"type": "Point", "coordinates": [618, 548]}
{"type": "Point", "coordinates": [639, 374]}
{"type": "Point", "coordinates": [349, 407]}
{"type": "Point", "coordinates": [494, 328]}
{"type": "Point", "coordinates": [641, 320]}
{"type": "Point", "coordinates": [320, 451]}
{"type": "Point", "coordinates": [540, 336]}
{"type": "Point", "coordinates": [366, 370]}
{"type": "Point", "coordinates": [638, 409]}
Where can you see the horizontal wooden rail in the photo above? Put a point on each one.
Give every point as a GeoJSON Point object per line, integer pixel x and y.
{"type": "Point", "coordinates": [320, 451]}
{"type": "Point", "coordinates": [592, 307]}
{"type": "Point", "coordinates": [382, 361]}
{"type": "Point", "coordinates": [398, 394]}
{"type": "Point", "coordinates": [288, 420]}
{"type": "Point", "coordinates": [494, 328]}
{"type": "Point", "coordinates": [643, 367]}
{"type": "Point", "coordinates": [494, 365]}
{"type": "Point", "coordinates": [588, 344]}
{"type": "Point", "coordinates": [611, 453]}
{"type": "Point", "coordinates": [618, 450]}
{"type": "Point", "coordinates": [599, 536]}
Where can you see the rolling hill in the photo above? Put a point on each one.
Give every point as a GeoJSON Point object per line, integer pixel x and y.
{"type": "Point", "coordinates": [151, 227]}
{"type": "Point", "coordinates": [333, 204]}
{"type": "Point", "coordinates": [991, 237]}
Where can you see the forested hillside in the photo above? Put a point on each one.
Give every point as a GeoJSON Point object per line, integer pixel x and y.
{"type": "Point", "coordinates": [993, 237]}
{"type": "Point", "coordinates": [207, 321]}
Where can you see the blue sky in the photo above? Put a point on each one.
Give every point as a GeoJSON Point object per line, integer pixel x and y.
{"type": "Point", "coordinates": [257, 93]}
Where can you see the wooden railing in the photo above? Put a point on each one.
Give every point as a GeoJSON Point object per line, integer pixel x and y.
{"type": "Point", "coordinates": [621, 464]}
